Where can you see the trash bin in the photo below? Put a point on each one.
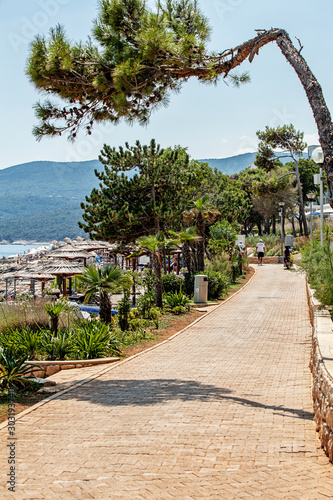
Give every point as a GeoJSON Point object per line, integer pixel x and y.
{"type": "Point", "coordinates": [289, 240]}
{"type": "Point", "coordinates": [200, 289]}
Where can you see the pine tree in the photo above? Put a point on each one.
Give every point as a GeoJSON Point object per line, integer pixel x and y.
{"type": "Point", "coordinates": [128, 206]}
{"type": "Point", "coordinates": [140, 56]}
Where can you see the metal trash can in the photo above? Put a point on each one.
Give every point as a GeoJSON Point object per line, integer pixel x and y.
{"type": "Point", "coordinates": [200, 289]}
{"type": "Point", "coordinates": [289, 240]}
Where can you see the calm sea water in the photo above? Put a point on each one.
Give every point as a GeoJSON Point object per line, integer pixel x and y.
{"type": "Point", "coordinates": [7, 250]}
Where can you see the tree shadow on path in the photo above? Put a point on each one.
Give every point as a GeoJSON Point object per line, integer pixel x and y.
{"type": "Point", "coordinates": [158, 391]}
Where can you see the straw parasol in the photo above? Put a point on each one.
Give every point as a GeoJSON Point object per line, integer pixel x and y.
{"type": "Point", "coordinates": [64, 270]}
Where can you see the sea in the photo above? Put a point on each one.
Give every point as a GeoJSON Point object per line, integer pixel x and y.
{"type": "Point", "coordinates": [15, 249]}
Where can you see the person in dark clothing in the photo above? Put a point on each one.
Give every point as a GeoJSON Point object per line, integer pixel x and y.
{"type": "Point", "coordinates": [286, 257]}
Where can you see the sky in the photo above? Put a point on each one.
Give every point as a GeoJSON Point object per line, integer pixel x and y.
{"type": "Point", "coordinates": [211, 121]}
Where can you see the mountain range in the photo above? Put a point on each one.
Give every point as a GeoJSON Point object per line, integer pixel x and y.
{"type": "Point", "coordinates": [41, 200]}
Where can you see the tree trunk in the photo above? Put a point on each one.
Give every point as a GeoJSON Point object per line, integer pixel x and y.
{"type": "Point", "coordinates": [300, 225]}
{"type": "Point", "coordinates": [105, 307]}
{"type": "Point", "coordinates": [317, 102]}
{"type": "Point", "coordinates": [54, 325]}
{"type": "Point", "coordinates": [300, 195]}
{"type": "Point", "coordinates": [293, 225]}
{"type": "Point", "coordinates": [228, 60]}
{"type": "Point", "coordinates": [157, 269]}
{"type": "Point", "coordinates": [201, 242]}
{"type": "Point", "coordinates": [273, 224]}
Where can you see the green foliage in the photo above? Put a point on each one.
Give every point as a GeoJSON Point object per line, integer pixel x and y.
{"type": "Point", "coordinates": [135, 336]}
{"type": "Point", "coordinates": [138, 324]}
{"type": "Point", "coordinates": [220, 264]}
{"type": "Point", "coordinates": [58, 347]}
{"type": "Point", "coordinates": [94, 340]}
{"type": "Point", "coordinates": [223, 237]}
{"type": "Point", "coordinates": [178, 310]}
{"type": "Point", "coordinates": [13, 370]}
{"type": "Point", "coordinates": [233, 202]}
{"type": "Point", "coordinates": [319, 267]}
{"type": "Point", "coordinates": [118, 72]}
{"type": "Point", "coordinates": [104, 281]}
{"type": "Point", "coordinates": [126, 207]}
{"type": "Point", "coordinates": [23, 342]}
{"type": "Point", "coordinates": [54, 309]}
{"type": "Point", "coordinates": [217, 284]}
{"type": "Point", "coordinates": [124, 308]}
{"type": "Point", "coordinates": [285, 137]}
{"type": "Point", "coordinates": [173, 300]}
{"type": "Point", "coordinates": [171, 283]}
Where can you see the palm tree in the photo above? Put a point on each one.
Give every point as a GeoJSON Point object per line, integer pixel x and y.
{"type": "Point", "coordinates": [104, 281]}
{"type": "Point", "coordinates": [54, 309]}
{"type": "Point", "coordinates": [186, 240]}
{"type": "Point", "coordinates": [199, 207]}
{"type": "Point", "coordinates": [154, 246]}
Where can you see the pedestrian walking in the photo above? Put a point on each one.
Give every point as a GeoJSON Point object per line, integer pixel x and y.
{"type": "Point", "coordinates": [260, 251]}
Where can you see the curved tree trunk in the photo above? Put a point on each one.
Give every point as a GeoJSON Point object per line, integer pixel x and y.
{"type": "Point", "coordinates": [317, 102]}
{"type": "Point", "coordinates": [232, 58]}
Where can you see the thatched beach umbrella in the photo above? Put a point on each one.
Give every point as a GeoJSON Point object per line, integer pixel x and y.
{"type": "Point", "coordinates": [71, 253]}
{"type": "Point", "coordinates": [63, 269]}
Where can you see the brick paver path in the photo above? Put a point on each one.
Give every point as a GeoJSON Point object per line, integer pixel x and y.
{"type": "Point", "coordinates": [222, 411]}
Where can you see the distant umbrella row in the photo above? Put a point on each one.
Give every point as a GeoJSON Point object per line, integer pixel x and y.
{"type": "Point", "coordinates": [60, 263]}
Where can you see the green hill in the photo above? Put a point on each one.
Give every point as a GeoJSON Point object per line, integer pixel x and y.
{"type": "Point", "coordinates": [41, 200]}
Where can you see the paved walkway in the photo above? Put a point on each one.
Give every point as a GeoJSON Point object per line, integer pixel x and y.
{"type": "Point", "coordinates": [222, 411]}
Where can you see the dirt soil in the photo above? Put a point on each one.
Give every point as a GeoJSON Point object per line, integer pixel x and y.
{"type": "Point", "coordinates": [175, 324]}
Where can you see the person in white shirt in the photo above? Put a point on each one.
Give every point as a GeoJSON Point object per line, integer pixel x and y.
{"type": "Point", "coordinates": [260, 251]}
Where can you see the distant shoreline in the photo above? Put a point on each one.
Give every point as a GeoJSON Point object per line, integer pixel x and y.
{"type": "Point", "coordinates": [25, 242]}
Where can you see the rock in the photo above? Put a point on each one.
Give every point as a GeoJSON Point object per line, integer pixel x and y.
{"type": "Point", "coordinates": [51, 369]}
{"type": "Point", "coordinates": [43, 381]}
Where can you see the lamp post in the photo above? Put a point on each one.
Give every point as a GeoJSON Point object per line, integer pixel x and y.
{"type": "Point", "coordinates": [311, 197]}
{"type": "Point", "coordinates": [281, 205]}
{"type": "Point", "coordinates": [318, 157]}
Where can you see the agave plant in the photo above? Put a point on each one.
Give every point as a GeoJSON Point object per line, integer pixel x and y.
{"type": "Point", "coordinates": [58, 347]}
{"type": "Point", "coordinates": [13, 370]}
{"type": "Point", "coordinates": [94, 340]}
{"type": "Point", "coordinates": [176, 299]}
{"type": "Point", "coordinates": [23, 342]}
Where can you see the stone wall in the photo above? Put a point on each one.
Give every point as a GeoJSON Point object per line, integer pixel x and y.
{"type": "Point", "coordinates": [48, 368]}
{"type": "Point", "coordinates": [322, 370]}
{"type": "Point", "coordinates": [277, 259]}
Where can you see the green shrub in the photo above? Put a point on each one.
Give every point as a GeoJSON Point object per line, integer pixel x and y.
{"type": "Point", "coordinates": [124, 309]}
{"type": "Point", "coordinates": [138, 324]}
{"type": "Point", "coordinates": [135, 337]}
{"type": "Point", "coordinates": [218, 284]}
{"type": "Point", "coordinates": [58, 347]}
{"type": "Point", "coordinates": [178, 310]}
{"type": "Point", "coordinates": [23, 342]}
{"type": "Point", "coordinates": [94, 340]}
{"type": "Point", "coordinates": [13, 370]}
{"type": "Point", "coordinates": [145, 303]}
{"type": "Point", "coordinates": [319, 266]}
{"type": "Point", "coordinates": [172, 283]}
{"type": "Point", "coordinates": [173, 300]}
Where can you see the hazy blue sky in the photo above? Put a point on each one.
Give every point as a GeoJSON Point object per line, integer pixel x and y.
{"type": "Point", "coordinates": [213, 122]}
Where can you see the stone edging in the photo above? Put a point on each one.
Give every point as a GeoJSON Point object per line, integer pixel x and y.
{"type": "Point", "coordinates": [48, 368]}
{"type": "Point", "coordinates": [321, 365]}
{"type": "Point", "coordinates": [109, 368]}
